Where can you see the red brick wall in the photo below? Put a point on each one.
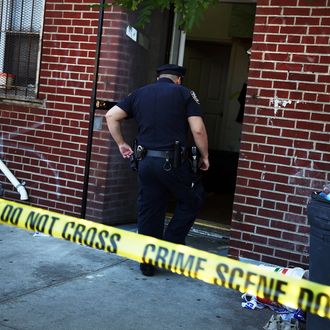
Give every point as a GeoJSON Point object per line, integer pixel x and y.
{"type": "Point", "coordinates": [46, 145]}
{"type": "Point", "coordinates": [285, 152]}
{"type": "Point", "coordinates": [48, 149]}
{"type": "Point", "coordinates": [112, 184]}
{"type": "Point", "coordinates": [124, 65]}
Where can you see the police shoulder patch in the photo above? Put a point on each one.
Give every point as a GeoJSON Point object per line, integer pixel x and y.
{"type": "Point", "coordinates": [194, 96]}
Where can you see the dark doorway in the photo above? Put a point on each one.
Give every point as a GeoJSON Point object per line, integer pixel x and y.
{"type": "Point", "coordinates": [207, 66]}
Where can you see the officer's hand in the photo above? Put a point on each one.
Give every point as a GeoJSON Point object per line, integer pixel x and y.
{"type": "Point", "coordinates": [125, 150]}
{"type": "Point", "coordinates": [204, 164]}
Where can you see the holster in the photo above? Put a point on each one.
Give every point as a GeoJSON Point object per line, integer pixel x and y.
{"type": "Point", "coordinates": [133, 162]}
{"type": "Point", "coordinates": [194, 159]}
{"type": "Point", "coordinates": [138, 154]}
{"type": "Point", "coordinates": [132, 158]}
{"type": "Point", "coordinates": [177, 155]}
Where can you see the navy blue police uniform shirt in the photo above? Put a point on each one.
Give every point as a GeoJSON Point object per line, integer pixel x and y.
{"type": "Point", "coordinates": [161, 110]}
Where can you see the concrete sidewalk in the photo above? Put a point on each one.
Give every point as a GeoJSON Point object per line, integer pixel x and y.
{"type": "Point", "coordinates": [48, 283]}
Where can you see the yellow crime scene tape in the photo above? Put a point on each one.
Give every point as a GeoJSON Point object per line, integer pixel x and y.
{"type": "Point", "coordinates": [211, 268]}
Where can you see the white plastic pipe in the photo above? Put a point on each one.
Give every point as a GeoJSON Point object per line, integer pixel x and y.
{"type": "Point", "coordinates": [19, 186]}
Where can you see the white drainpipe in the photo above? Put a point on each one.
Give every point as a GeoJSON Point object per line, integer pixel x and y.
{"type": "Point", "coordinates": [19, 186]}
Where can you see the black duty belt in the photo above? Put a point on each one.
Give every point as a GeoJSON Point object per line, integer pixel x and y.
{"type": "Point", "coordinates": [160, 154]}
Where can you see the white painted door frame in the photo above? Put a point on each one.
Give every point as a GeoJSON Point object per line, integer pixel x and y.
{"type": "Point", "coordinates": [178, 44]}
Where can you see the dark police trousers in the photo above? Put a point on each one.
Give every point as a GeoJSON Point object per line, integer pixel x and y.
{"type": "Point", "coordinates": [156, 185]}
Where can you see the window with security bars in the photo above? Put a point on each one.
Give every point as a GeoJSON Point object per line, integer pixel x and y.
{"type": "Point", "coordinates": [20, 36]}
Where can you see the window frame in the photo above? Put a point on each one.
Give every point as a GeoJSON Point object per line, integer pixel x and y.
{"type": "Point", "coordinates": [29, 32]}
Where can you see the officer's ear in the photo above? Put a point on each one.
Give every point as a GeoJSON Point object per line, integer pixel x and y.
{"type": "Point", "coordinates": [178, 80]}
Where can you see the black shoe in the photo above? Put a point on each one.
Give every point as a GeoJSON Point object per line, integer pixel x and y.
{"type": "Point", "coordinates": [147, 270]}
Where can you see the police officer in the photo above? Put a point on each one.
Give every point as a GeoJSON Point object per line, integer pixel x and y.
{"type": "Point", "coordinates": [164, 111]}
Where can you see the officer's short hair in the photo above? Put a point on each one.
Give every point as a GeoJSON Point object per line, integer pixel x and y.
{"type": "Point", "coordinates": [168, 75]}
{"type": "Point", "coordinates": [172, 69]}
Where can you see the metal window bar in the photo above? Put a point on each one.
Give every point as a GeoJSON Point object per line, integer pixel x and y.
{"type": "Point", "coordinates": [20, 36]}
